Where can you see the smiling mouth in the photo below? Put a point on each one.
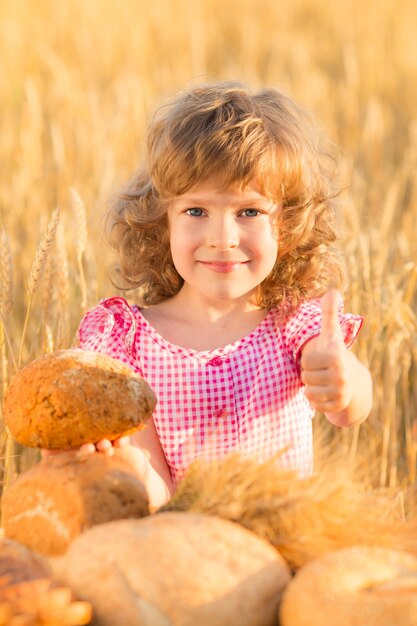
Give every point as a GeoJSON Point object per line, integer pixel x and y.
{"type": "Point", "coordinates": [223, 266]}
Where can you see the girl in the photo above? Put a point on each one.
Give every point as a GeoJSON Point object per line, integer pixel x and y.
{"type": "Point", "coordinates": [228, 231]}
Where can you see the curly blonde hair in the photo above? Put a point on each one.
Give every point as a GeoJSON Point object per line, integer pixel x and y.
{"type": "Point", "coordinates": [224, 131]}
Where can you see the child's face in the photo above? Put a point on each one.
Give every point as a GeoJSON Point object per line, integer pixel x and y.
{"type": "Point", "coordinates": [223, 243]}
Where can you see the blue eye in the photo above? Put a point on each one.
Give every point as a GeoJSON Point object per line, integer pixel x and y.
{"type": "Point", "coordinates": [251, 212]}
{"type": "Point", "coordinates": [195, 212]}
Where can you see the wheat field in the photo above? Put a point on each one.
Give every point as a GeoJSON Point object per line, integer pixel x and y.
{"type": "Point", "coordinates": [79, 82]}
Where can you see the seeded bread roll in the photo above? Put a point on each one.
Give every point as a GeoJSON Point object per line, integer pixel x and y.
{"type": "Point", "coordinates": [46, 507]}
{"type": "Point", "coordinates": [358, 586]}
{"type": "Point", "coordinates": [71, 397]}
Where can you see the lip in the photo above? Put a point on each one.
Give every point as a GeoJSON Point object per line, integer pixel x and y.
{"type": "Point", "coordinates": [223, 267]}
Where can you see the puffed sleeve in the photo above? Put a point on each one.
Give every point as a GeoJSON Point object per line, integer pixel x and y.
{"type": "Point", "coordinates": [109, 328]}
{"type": "Point", "coordinates": [305, 324]}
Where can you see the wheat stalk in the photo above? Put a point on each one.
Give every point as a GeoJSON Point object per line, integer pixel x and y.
{"type": "Point", "coordinates": [78, 207]}
{"type": "Point", "coordinates": [6, 305]}
{"type": "Point", "coordinates": [62, 281]}
{"type": "Point", "coordinates": [6, 299]}
{"type": "Point", "coordinates": [37, 269]}
{"type": "Point", "coordinates": [48, 343]}
{"type": "Point", "coordinates": [62, 268]}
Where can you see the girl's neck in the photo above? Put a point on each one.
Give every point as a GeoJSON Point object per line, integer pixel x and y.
{"type": "Point", "coordinates": [203, 310]}
{"type": "Point", "coordinates": [198, 325]}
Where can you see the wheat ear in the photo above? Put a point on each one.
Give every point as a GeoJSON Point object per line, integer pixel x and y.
{"type": "Point", "coordinates": [6, 300]}
{"type": "Point", "coordinates": [6, 305]}
{"type": "Point", "coordinates": [42, 253]}
{"type": "Point", "coordinates": [37, 269]}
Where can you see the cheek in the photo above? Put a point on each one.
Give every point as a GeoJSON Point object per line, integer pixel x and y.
{"type": "Point", "coordinates": [181, 249]}
{"type": "Point", "coordinates": [175, 246]}
{"type": "Point", "coordinates": [270, 259]}
{"type": "Point", "coordinates": [267, 246]}
{"type": "Point", "coordinates": [269, 254]}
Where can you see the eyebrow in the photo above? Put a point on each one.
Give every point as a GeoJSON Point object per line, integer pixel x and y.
{"type": "Point", "coordinates": [239, 202]}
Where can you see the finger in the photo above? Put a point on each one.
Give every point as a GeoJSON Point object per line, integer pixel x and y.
{"type": "Point", "coordinates": [320, 394]}
{"type": "Point", "coordinates": [104, 445]}
{"type": "Point", "coordinates": [331, 330]}
{"type": "Point", "coordinates": [324, 407]}
{"type": "Point", "coordinates": [121, 442]}
{"type": "Point", "coordinates": [316, 377]}
{"type": "Point", "coordinates": [86, 448]}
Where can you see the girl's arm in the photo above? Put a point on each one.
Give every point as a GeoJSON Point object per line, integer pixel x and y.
{"type": "Point", "coordinates": [143, 452]}
{"type": "Point", "coordinates": [336, 383]}
{"type": "Point", "coordinates": [154, 468]}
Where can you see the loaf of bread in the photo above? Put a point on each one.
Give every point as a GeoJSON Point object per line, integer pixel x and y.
{"type": "Point", "coordinates": [364, 586]}
{"type": "Point", "coordinates": [28, 595]}
{"type": "Point", "coordinates": [71, 397]}
{"type": "Point", "coordinates": [18, 563]}
{"type": "Point", "coordinates": [177, 569]}
{"type": "Point", "coordinates": [46, 507]}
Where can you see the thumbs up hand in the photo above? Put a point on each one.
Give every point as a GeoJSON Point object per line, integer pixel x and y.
{"type": "Point", "coordinates": [326, 362]}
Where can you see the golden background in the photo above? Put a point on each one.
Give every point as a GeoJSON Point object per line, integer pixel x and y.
{"type": "Point", "coordinates": [79, 81]}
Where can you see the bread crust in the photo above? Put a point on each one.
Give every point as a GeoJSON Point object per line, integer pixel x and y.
{"type": "Point", "coordinates": [192, 569]}
{"type": "Point", "coordinates": [361, 585]}
{"type": "Point", "coordinates": [52, 503]}
{"type": "Point", "coordinates": [18, 563]}
{"type": "Point", "coordinates": [28, 595]}
{"type": "Point", "coordinates": [71, 397]}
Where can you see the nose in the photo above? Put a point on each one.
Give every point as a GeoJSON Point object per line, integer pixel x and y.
{"type": "Point", "coordinates": [223, 233]}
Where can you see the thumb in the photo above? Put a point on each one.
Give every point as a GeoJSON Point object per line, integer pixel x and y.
{"type": "Point", "coordinates": [331, 331]}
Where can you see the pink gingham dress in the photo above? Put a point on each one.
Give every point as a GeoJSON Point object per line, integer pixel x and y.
{"type": "Point", "coordinates": [245, 397]}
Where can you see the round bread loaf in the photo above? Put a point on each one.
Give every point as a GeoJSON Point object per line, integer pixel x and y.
{"type": "Point", "coordinates": [29, 596]}
{"type": "Point", "coordinates": [192, 569]}
{"type": "Point", "coordinates": [46, 507]}
{"type": "Point", "coordinates": [71, 397]}
{"type": "Point", "coordinates": [359, 586]}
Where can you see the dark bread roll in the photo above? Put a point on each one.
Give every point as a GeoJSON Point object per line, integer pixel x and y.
{"type": "Point", "coordinates": [48, 506]}
{"type": "Point", "coordinates": [71, 397]}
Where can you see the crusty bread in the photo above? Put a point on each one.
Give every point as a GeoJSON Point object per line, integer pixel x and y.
{"type": "Point", "coordinates": [46, 507]}
{"type": "Point", "coordinates": [191, 569]}
{"type": "Point", "coordinates": [18, 563]}
{"type": "Point", "coordinates": [28, 595]}
{"type": "Point", "coordinates": [360, 586]}
{"type": "Point", "coordinates": [71, 397]}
